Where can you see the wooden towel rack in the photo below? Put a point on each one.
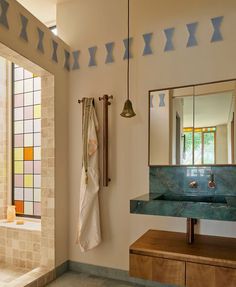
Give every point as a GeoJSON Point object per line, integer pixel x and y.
{"type": "Point", "coordinates": [106, 104]}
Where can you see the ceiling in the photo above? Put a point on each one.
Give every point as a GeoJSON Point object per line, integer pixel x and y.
{"type": "Point", "coordinates": [210, 110]}
{"type": "Point", "coordinates": [44, 10]}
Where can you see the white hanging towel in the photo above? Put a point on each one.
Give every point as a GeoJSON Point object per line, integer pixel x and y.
{"type": "Point", "coordinates": [89, 231]}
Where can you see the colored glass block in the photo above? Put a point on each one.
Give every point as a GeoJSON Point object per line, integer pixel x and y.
{"type": "Point", "coordinates": [28, 167]}
{"type": "Point", "coordinates": [28, 126]}
{"type": "Point", "coordinates": [37, 111]}
{"type": "Point", "coordinates": [37, 84]}
{"type": "Point", "coordinates": [18, 74]}
{"type": "Point", "coordinates": [37, 181]}
{"type": "Point", "coordinates": [18, 127]}
{"type": "Point", "coordinates": [18, 193]}
{"type": "Point", "coordinates": [27, 74]}
{"type": "Point", "coordinates": [28, 113]}
{"type": "Point", "coordinates": [37, 167]}
{"type": "Point", "coordinates": [37, 139]}
{"type": "Point", "coordinates": [18, 141]}
{"type": "Point", "coordinates": [28, 85]}
{"type": "Point", "coordinates": [37, 194]}
{"type": "Point", "coordinates": [37, 208]}
{"type": "Point", "coordinates": [18, 100]}
{"type": "Point", "coordinates": [18, 153]}
{"type": "Point", "coordinates": [28, 208]}
{"type": "Point", "coordinates": [18, 114]}
{"type": "Point", "coordinates": [18, 167]}
{"type": "Point", "coordinates": [28, 99]}
{"type": "Point", "coordinates": [28, 180]}
{"type": "Point", "coordinates": [37, 98]}
{"type": "Point", "coordinates": [28, 153]}
{"type": "Point", "coordinates": [19, 206]}
{"type": "Point", "coordinates": [28, 194]}
{"type": "Point", "coordinates": [37, 153]}
{"type": "Point", "coordinates": [18, 180]}
{"type": "Point", "coordinates": [18, 87]}
{"type": "Point", "coordinates": [28, 140]}
{"type": "Point", "coordinates": [37, 126]}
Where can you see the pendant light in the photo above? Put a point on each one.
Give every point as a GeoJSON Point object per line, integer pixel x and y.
{"type": "Point", "coordinates": [128, 111]}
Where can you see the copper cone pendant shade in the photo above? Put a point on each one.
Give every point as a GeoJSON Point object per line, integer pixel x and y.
{"type": "Point", "coordinates": [128, 111]}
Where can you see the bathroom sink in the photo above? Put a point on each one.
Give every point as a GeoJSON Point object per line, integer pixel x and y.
{"type": "Point", "coordinates": [192, 198]}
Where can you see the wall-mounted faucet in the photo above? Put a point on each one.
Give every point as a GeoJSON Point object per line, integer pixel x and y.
{"type": "Point", "coordinates": [193, 184]}
{"type": "Point", "coordinates": [211, 182]}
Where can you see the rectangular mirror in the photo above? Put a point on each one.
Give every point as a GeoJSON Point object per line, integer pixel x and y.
{"type": "Point", "coordinates": [193, 125]}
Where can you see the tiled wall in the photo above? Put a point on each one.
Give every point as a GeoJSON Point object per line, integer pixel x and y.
{"type": "Point", "coordinates": [48, 174]}
{"type": "Point", "coordinates": [3, 138]}
{"type": "Point", "coordinates": [177, 179]}
{"type": "Point", "coordinates": [20, 248]}
{"type": "Point", "coordinates": [47, 239]}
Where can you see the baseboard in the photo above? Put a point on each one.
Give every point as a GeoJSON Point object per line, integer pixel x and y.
{"type": "Point", "coordinates": [110, 273]}
{"type": "Point", "coordinates": [61, 269]}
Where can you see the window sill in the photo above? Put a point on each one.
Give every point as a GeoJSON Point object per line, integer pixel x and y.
{"type": "Point", "coordinates": [32, 225]}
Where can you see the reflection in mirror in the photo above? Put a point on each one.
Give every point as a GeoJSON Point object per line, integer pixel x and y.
{"type": "Point", "coordinates": [214, 109]}
{"type": "Point", "coordinates": [193, 125]}
{"type": "Point", "coordinates": [170, 112]}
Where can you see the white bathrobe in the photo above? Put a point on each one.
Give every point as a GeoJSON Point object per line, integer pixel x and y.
{"type": "Point", "coordinates": [89, 231]}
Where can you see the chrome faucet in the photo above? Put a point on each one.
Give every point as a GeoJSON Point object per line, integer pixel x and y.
{"type": "Point", "coordinates": [211, 182]}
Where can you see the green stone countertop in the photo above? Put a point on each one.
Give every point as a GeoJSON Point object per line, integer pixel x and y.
{"type": "Point", "coordinates": [198, 205]}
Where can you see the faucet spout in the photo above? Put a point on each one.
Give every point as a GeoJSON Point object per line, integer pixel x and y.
{"type": "Point", "coordinates": [190, 230]}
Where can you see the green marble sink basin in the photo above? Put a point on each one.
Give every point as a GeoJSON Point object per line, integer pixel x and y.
{"type": "Point", "coordinates": [192, 198]}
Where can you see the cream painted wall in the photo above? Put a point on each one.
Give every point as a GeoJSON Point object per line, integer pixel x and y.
{"type": "Point", "coordinates": [86, 23]}
{"type": "Point", "coordinates": [10, 38]}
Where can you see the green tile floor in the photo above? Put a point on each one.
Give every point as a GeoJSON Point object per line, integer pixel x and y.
{"type": "Point", "coordinates": [72, 279]}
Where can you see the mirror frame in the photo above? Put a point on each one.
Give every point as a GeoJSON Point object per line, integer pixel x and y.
{"type": "Point", "coordinates": [179, 87]}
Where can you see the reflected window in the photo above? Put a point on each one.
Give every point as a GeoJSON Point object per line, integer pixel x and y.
{"type": "Point", "coordinates": [201, 144]}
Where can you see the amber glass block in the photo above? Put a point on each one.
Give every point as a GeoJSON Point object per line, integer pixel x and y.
{"type": "Point", "coordinates": [28, 153]}
{"type": "Point", "coordinates": [19, 206]}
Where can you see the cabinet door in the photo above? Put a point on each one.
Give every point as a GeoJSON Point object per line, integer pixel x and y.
{"type": "Point", "coordinates": [140, 266]}
{"type": "Point", "coordinates": [200, 275]}
{"type": "Point", "coordinates": [168, 271]}
{"type": "Point", "coordinates": [157, 269]}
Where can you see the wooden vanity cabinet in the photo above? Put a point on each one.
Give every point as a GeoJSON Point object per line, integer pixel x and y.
{"type": "Point", "coordinates": [165, 257]}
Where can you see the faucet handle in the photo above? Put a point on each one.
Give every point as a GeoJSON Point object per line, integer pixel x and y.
{"type": "Point", "coordinates": [211, 182]}
{"type": "Point", "coordinates": [193, 184]}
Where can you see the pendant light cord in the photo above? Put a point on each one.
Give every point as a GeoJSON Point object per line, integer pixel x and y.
{"type": "Point", "coordinates": [128, 52]}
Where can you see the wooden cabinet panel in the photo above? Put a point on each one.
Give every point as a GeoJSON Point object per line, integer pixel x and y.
{"type": "Point", "coordinates": [140, 266]}
{"type": "Point", "coordinates": [168, 271]}
{"type": "Point", "coordinates": [200, 275]}
{"type": "Point", "coordinates": [157, 269]}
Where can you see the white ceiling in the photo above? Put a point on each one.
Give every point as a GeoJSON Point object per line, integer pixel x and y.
{"type": "Point", "coordinates": [210, 110]}
{"type": "Point", "coordinates": [44, 10]}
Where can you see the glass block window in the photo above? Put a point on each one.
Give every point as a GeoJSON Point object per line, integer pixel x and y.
{"type": "Point", "coordinates": [26, 115]}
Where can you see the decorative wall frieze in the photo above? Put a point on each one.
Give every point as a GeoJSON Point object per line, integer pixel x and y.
{"type": "Point", "coordinates": [3, 16]}
{"type": "Point", "coordinates": [24, 23]}
{"type": "Point", "coordinates": [168, 33]}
